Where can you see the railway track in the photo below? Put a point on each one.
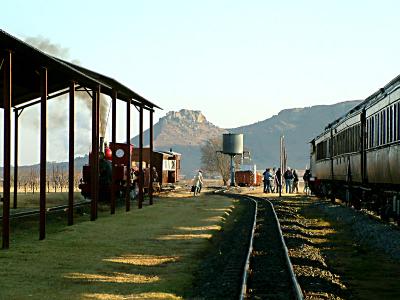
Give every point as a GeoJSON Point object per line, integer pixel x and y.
{"type": "Point", "coordinates": [53, 209]}
{"type": "Point", "coordinates": [268, 272]}
{"type": "Point", "coordinates": [258, 266]}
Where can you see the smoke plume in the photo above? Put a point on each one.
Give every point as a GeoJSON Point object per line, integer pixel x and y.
{"type": "Point", "coordinates": [58, 110]}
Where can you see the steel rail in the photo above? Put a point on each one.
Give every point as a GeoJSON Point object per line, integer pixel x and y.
{"type": "Point", "coordinates": [250, 250]}
{"type": "Point", "coordinates": [50, 209]}
{"type": "Point", "coordinates": [296, 287]}
{"type": "Point", "coordinates": [297, 290]}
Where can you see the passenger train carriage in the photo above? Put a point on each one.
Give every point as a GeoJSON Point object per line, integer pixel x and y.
{"type": "Point", "coordinates": [357, 157]}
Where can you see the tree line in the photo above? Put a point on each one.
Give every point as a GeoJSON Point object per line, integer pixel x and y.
{"type": "Point", "coordinates": [56, 180]}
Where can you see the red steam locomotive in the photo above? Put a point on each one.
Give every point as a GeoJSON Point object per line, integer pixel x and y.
{"type": "Point", "coordinates": [122, 171]}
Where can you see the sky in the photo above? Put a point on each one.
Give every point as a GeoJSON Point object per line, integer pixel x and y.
{"type": "Point", "coordinates": [238, 62]}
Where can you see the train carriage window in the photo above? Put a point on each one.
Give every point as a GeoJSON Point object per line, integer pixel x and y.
{"type": "Point", "coordinates": [384, 132]}
{"type": "Point", "coordinates": [328, 147]}
{"type": "Point", "coordinates": [351, 139]}
{"type": "Point", "coordinates": [370, 133]}
{"type": "Point", "coordinates": [346, 145]}
{"type": "Point", "coordinates": [342, 142]}
{"type": "Point", "coordinates": [334, 145]}
{"type": "Point", "coordinates": [376, 123]}
{"type": "Point", "coordinates": [392, 127]}
{"type": "Point", "coordinates": [376, 138]}
{"type": "Point", "coordinates": [394, 122]}
{"type": "Point", "coordinates": [349, 135]}
{"type": "Point", "coordinates": [348, 140]}
{"type": "Point", "coordinates": [356, 138]}
{"type": "Point", "coordinates": [398, 121]}
{"type": "Point", "coordinates": [388, 124]}
{"type": "Point", "coordinates": [322, 148]}
{"type": "Point", "coordinates": [383, 127]}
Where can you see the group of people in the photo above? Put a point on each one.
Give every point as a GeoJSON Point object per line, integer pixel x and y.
{"type": "Point", "coordinates": [272, 180]}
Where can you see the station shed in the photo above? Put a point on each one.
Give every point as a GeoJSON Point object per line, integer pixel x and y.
{"type": "Point", "coordinates": [32, 77]}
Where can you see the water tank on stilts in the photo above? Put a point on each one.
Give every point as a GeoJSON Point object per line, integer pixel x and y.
{"type": "Point", "coordinates": [232, 144]}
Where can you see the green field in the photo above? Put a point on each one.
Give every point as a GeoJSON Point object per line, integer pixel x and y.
{"type": "Point", "coordinates": [150, 253]}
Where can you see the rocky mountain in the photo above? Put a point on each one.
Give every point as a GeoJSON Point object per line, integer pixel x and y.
{"type": "Point", "coordinates": [186, 130]}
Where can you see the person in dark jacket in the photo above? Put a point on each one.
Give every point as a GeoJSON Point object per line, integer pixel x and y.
{"type": "Point", "coordinates": [288, 175]}
{"type": "Point", "coordinates": [295, 188]}
{"type": "Point", "coordinates": [278, 179]}
{"type": "Point", "coordinates": [306, 178]}
{"type": "Point", "coordinates": [267, 181]}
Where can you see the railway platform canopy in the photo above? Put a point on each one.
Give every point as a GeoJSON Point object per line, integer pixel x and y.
{"type": "Point", "coordinates": [27, 62]}
{"type": "Point", "coordinates": [30, 76]}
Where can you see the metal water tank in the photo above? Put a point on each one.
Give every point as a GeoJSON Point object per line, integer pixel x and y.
{"type": "Point", "coordinates": [232, 143]}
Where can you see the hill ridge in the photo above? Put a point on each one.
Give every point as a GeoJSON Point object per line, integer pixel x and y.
{"type": "Point", "coordinates": [186, 130]}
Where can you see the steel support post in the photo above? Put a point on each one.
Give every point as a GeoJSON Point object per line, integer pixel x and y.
{"type": "Point", "coordinates": [15, 159]}
{"type": "Point", "coordinates": [94, 157]}
{"type": "Point", "coordinates": [71, 169]}
{"type": "Point", "coordinates": [7, 95]}
{"type": "Point", "coordinates": [114, 140]}
{"type": "Point", "coordinates": [128, 156]}
{"type": "Point", "coordinates": [43, 152]}
{"type": "Point", "coordinates": [141, 173]}
{"type": "Point", "coordinates": [232, 169]}
{"type": "Point", "coordinates": [151, 158]}
{"type": "Point", "coordinates": [98, 91]}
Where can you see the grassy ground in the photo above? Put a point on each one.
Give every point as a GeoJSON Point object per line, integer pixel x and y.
{"type": "Point", "coordinates": [150, 253]}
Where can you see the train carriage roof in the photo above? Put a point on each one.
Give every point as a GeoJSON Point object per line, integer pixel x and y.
{"type": "Point", "coordinates": [27, 62]}
{"type": "Point", "coordinates": [369, 101]}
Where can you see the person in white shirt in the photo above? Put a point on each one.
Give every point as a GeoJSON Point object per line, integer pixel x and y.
{"type": "Point", "coordinates": [198, 182]}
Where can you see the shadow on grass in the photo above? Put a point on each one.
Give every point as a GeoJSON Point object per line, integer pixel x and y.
{"type": "Point", "coordinates": [151, 256]}
{"type": "Point", "coordinates": [148, 275]}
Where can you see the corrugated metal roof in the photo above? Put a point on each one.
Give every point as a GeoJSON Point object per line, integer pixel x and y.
{"type": "Point", "coordinates": [124, 92]}
{"type": "Point", "coordinates": [27, 61]}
